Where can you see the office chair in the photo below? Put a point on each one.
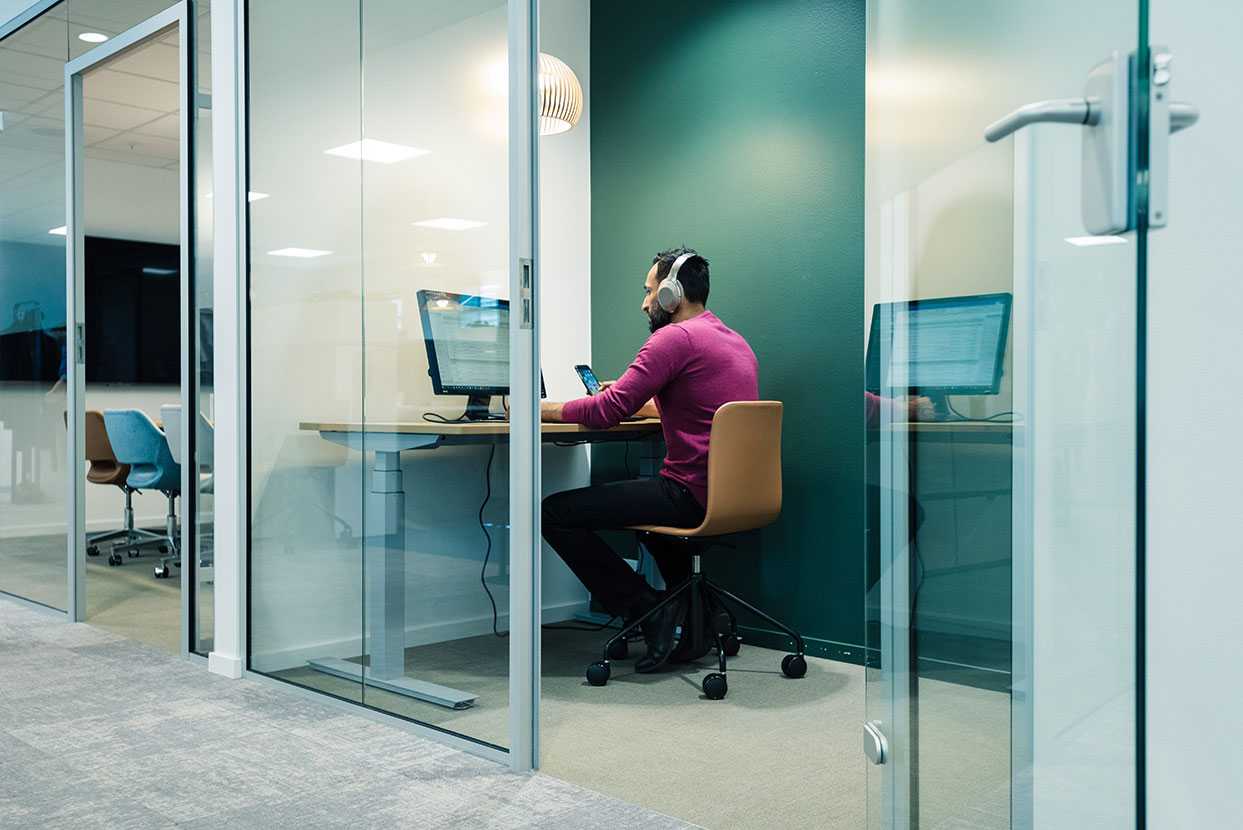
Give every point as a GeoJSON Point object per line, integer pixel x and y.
{"type": "Point", "coordinates": [139, 443]}
{"type": "Point", "coordinates": [744, 493]}
{"type": "Point", "coordinates": [170, 416]}
{"type": "Point", "coordinates": [106, 470]}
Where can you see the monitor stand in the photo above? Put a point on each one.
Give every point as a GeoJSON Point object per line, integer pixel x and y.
{"type": "Point", "coordinates": [479, 408]}
{"type": "Point", "coordinates": [941, 406]}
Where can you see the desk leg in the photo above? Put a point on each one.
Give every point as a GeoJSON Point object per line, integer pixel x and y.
{"type": "Point", "coordinates": [385, 598]}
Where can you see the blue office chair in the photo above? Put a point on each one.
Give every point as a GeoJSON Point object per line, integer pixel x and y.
{"type": "Point", "coordinates": [138, 442]}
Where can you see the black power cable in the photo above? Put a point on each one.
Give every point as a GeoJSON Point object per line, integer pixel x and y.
{"type": "Point", "coordinates": [487, 554]}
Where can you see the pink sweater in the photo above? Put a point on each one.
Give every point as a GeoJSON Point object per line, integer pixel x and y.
{"type": "Point", "coordinates": [691, 369]}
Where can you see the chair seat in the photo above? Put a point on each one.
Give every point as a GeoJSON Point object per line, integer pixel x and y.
{"type": "Point", "coordinates": [107, 472]}
{"type": "Point", "coordinates": [684, 532]}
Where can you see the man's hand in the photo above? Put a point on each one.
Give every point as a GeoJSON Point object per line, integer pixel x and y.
{"type": "Point", "coordinates": [921, 409]}
{"type": "Point", "coordinates": [550, 411]}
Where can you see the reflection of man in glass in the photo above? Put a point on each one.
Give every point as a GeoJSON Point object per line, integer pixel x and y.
{"type": "Point", "coordinates": [690, 365]}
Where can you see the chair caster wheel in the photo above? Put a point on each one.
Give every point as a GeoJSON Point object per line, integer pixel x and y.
{"type": "Point", "coordinates": [619, 650]}
{"type": "Point", "coordinates": [715, 686]}
{"type": "Point", "coordinates": [92, 551]}
{"type": "Point", "coordinates": [731, 643]}
{"type": "Point", "coordinates": [598, 673]}
{"type": "Point", "coordinates": [162, 572]}
{"type": "Point", "coordinates": [115, 559]}
{"type": "Point", "coordinates": [163, 548]}
{"type": "Point", "coordinates": [793, 665]}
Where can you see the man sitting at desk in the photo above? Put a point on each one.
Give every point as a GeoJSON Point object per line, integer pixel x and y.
{"type": "Point", "coordinates": [690, 365]}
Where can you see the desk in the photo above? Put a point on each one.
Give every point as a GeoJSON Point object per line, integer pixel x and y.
{"type": "Point", "coordinates": [385, 558]}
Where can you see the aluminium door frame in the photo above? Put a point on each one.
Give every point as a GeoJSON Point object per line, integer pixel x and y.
{"type": "Point", "coordinates": [177, 16]}
{"type": "Point", "coordinates": [525, 475]}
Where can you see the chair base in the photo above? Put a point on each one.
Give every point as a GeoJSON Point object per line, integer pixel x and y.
{"type": "Point", "coordinates": [709, 611]}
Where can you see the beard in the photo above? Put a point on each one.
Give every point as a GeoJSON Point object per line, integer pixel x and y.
{"type": "Point", "coordinates": [658, 318]}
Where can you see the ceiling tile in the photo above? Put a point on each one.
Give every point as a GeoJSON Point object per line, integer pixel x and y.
{"type": "Point", "coordinates": [143, 145]}
{"type": "Point", "coordinates": [155, 60]}
{"type": "Point", "coordinates": [116, 116]}
{"type": "Point", "coordinates": [121, 87]}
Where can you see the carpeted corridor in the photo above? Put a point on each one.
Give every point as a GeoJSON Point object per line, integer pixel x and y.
{"type": "Point", "coordinates": [97, 731]}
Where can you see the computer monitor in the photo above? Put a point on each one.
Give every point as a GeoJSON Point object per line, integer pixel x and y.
{"type": "Point", "coordinates": [939, 347]}
{"type": "Point", "coordinates": [467, 340]}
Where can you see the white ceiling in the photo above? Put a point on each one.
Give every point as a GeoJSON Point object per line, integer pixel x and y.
{"type": "Point", "coordinates": [131, 115]}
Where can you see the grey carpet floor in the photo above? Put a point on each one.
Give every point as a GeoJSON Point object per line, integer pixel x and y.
{"type": "Point", "coordinates": [100, 731]}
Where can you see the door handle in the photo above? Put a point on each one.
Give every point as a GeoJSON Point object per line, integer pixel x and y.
{"type": "Point", "coordinates": [875, 746]}
{"type": "Point", "coordinates": [1058, 111]}
{"type": "Point", "coordinates": [1109, 109]}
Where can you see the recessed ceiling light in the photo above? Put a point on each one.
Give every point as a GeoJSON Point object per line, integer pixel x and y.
{"type": "Point", "coordinates": [381, 151]}
{"type": "Point", "coordinates": [300, 253]}
{"type": "Point", "coordinates": [159, 272]}
{"type": "Point", "coordinates": [92, 37]}
{"type": "Point", "coordinates": [61, 231]}
{"type": "Point", "coordinates": [1090, 241]}
{"type": "Point", "coordinates": [442, 303]}
{"type": "Point", "coordinates": [429, 257]}
{"type": "Point", "coordinates": [446, 223]}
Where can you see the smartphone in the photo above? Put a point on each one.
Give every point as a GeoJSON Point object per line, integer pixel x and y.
{"type": "Point", "coordinates": [588, 378]}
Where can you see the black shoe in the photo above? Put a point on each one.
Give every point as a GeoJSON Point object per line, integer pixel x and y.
{"type": "Point", "coordinates": [686, 652]}
{"type": "Point", "coordinates": [658, 634]}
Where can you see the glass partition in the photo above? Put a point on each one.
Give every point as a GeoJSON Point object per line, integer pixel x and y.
{"type": "Point", "coordinates": [379, 346]}
{"type": "Point", "coordinates": [1002, 450]}
{"type": "Point", "coordinates": [33, 474]}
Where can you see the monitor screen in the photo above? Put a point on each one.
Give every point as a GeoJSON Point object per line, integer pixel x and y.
{"type": "Point", "coordinates": [946, 345]}
{"type": "Point", "coordinates": [467, 339]}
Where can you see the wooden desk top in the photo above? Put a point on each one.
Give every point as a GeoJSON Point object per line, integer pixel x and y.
{"type": "Point", "coordinates": [469, 428]}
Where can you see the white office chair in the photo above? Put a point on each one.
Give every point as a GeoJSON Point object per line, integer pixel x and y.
{"type": "Point", "coordinates": [170, 414]}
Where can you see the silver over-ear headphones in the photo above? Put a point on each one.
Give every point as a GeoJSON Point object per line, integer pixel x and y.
{"type": "Point", "coordinates": [669, 293]}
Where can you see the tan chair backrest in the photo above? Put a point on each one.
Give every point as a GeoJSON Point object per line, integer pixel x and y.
{"type": "Point", "coordinates": [744, 468]}
{"type": "Point", "coordinates": [98, 447]}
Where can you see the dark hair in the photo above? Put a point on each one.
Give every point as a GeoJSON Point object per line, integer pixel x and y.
{"type": "Point", "coordinates": [693, 274]}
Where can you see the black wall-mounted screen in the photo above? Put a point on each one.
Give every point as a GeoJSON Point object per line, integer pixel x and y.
{"type": "Point", "coordinates": [133, 317]}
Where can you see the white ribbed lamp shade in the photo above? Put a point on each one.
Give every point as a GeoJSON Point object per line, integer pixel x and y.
{"type": "Point", "coordinates": [561, 96]}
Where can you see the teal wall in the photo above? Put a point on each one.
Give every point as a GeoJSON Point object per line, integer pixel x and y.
{"type": "Point", "coordinates": [737, 127]}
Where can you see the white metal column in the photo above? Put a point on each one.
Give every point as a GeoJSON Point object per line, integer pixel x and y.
{"type": "Point", "coordinates": [228, 20]}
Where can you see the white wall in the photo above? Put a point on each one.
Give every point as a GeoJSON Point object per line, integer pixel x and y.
{"type": "Point", "coordinates": [1195, 552]}
{"type": "Point", "coordinates": [339, 337]}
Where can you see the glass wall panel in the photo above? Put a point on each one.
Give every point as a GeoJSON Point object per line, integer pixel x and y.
{"type": "Point", "coordinates": [379, 282]}
{"type": "Point", "coordinates": [306, 346]}
{"type": "Point", "coordinates": [434, 168]}
{"type": "Point", "coordinates": [33, 475]}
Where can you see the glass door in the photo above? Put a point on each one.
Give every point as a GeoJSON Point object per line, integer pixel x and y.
{"type": "Point", "coordinates": [1005, 265]}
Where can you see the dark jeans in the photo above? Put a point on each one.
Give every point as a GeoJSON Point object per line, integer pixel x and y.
{"type": "Point", "coordinates": [572, 517]}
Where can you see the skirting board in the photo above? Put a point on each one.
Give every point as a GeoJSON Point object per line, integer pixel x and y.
{"type": "Point", "coordinates": [275, 660]}
{"type": "Point", "coordinates": [225, 666]}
